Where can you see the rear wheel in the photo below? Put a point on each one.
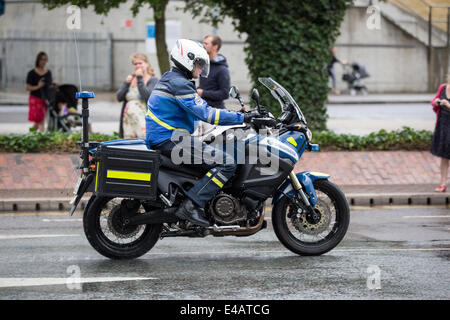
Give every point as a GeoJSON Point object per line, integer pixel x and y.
{"type": "Point", "coordinates": [307, 233]}
{"type": "Point", "coordinates": [105, 231]}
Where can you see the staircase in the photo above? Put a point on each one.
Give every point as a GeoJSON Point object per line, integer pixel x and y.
{"type": "Point", "coordinates": [413, 17]}
{"type": "Point", "coordinates": [428, 21]}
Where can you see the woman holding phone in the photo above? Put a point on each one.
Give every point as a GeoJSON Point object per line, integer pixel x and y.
{"type": "Point", "coordinates": [136, 90]}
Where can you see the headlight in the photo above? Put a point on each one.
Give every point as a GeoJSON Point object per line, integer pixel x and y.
{"type": "Point", "coordinates": [309, 134]}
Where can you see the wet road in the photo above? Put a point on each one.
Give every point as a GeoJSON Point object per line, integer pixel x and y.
{"type": "Point", "coordinates": [388, 253]}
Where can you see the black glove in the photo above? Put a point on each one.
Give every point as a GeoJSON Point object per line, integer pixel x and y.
{"type": "Point", "coordinates": [248, 116]}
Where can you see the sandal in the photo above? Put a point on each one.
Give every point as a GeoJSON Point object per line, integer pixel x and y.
{"type": "Point", "coordinates": [441, 188]}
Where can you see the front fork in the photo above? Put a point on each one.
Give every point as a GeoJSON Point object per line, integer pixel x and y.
{"type": "Point", "coordinates": [298, 187]}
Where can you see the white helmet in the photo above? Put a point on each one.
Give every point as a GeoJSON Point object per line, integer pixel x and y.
{"type": "Point", "coordinates": [188, 53]}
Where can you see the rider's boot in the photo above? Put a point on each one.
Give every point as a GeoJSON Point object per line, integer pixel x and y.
{"type": "Point", "coordinates": [191, 212]}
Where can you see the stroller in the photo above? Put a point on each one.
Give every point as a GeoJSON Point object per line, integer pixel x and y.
{"type": "Point", "coordinates": [353, 75]}
{"type": "Point", "coordinates": [68, 118]}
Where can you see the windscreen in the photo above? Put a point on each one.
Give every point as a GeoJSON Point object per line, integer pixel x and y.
{"type": "Point", "coordinates": [282, 95]}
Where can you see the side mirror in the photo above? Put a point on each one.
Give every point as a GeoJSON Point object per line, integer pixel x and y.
{"type": "Point", "coordinates": [234, 92]}
{"type": "Point", "coordinates": [255, 96]}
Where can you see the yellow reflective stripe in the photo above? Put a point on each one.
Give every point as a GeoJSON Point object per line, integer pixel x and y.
{"type": "Point", "coordinates": [208, 174]}
{"type": "Point", "coordinates": [96, 175]}
{"type": "Point", "coordinates": [216, 181]}
{"type": "Point", "coordinates": [127, 175]}
{"type": "Point", "coordinates": [216, 120]}
{"type": "Point", "coordinates": [292, 141]}
{"type": "Point", "coordinates": [165, 125]}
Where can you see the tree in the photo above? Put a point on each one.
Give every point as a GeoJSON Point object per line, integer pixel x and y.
{"type": "Point", "coordinates": [103, 7]}
{"type": "Point", "coordinates": [289, 41]}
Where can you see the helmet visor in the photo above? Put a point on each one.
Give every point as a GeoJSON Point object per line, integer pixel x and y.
{"type": "Point", "coordinates": [204, 65]}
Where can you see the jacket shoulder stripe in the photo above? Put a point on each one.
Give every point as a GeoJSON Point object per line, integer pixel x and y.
{"type": "Point", "coordinates": [161, 123]}
{"type": "Point", "coordinates": [163, 93]}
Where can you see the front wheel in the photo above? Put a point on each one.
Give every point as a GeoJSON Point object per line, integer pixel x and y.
{"type": "Point", "coordinates": [316, 233]}
{"type": "Point", "coordinates": [105, 231]}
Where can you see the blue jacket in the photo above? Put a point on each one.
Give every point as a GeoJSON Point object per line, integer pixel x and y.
{"type": "Point", "coordinates": [217, 86]}
{"type": "Point", "coordinates": [175, 105]}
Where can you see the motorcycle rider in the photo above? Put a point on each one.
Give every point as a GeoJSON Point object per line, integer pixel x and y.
{"type": "Point", "coordinates": [173, 107]}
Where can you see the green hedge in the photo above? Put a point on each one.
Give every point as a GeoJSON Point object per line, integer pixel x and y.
{"type": "Point", "coordinates": [47, 141]}
{"type": "Point", "coordinates": [403, 139]}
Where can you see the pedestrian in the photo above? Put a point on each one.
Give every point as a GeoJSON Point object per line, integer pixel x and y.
{"type": "Point", "coordinates": [39, 79]}
{"type": "Point", "coordinates": [215, 89]}
{"type": "Point", "coordinates": [135, 91]}
{"type": "Point", "coordinates": [440, 146]}
{"type": "Point", "coordinates": [173, 108]}
{"type": "Point", "coordinates": [331, 71]}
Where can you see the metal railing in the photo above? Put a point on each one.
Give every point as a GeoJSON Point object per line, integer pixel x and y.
{"type": "Point", "coordinates": [19, 49]}
{"type": "Point", "coordinates": [431, 20]}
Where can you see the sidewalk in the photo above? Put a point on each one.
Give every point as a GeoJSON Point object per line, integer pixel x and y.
{"type": "Point", "coordinates": [19, 98]}
{"type": "Point", "coordinates": [378, 98]}
{"type": "Point", "coordinates": [42, 182]}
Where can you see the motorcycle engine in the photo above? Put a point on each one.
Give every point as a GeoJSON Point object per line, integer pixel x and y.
{"type": "Point", "coordinates": [226, 209]}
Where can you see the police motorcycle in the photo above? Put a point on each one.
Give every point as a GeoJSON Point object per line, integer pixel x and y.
{"type": "Point", "coordinates": [136, 191]}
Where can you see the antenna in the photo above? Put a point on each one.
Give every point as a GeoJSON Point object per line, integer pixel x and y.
{"type": "Point", "coordinates": [78, 59]}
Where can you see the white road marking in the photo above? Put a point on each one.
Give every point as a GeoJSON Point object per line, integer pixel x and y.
{"type": "Point", "coordinates": [28, 282]}
{"type": "Point", "coordinates": [421, 217]}
{"type": "Point", "coordinates": [62, 220]}
{"type": "Point", "coordinates": [285, 251]}
{"type": "Point", "coordinates": [394, 249]}
{"type": "Point", "coordinates": [33, 236]}
{"type": "Point", "coordinates": [395, 207]}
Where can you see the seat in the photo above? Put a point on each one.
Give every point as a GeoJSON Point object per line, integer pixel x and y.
{"type": "Point", "coordinates": [196, 170]}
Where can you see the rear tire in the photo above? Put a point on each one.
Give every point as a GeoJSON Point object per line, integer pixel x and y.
{"type": "Point", "coordinates": [100, 226]}
{"type": "Point", "coordinates": [313, 238]}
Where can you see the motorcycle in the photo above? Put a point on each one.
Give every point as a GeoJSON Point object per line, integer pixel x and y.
{"type": "Point", "coordinates": [136, 191]}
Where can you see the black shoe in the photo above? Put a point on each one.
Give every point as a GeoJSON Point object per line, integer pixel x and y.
{"type": "Point", "coordinates": [189, 211]}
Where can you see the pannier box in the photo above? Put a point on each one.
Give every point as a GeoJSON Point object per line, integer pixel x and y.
{"type": "Point", "coordinates": [126, 173]}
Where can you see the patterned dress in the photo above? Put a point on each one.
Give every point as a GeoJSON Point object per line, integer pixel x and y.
{"type": "Point", "coordinates": [134, 115]}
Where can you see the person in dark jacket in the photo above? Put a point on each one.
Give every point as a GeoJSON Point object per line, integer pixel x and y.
{"type": "Point", "coordinates": [214, 89]}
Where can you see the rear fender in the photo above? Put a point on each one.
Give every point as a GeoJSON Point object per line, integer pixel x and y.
{"type": "Point", "coordinates": [83, 187]}
{"type": "Point", "coordinates": [306, 179]}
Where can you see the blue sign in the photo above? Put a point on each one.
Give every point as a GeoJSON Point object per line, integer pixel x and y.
{"type": "Point", "coordinates": [150, 30]}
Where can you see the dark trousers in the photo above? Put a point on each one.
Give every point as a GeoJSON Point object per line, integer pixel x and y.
{"type": "Point", "coordinates": [193, 152]}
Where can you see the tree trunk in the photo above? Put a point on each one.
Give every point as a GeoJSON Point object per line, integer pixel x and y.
{"type": "Point", "coordinates": [160, 38]}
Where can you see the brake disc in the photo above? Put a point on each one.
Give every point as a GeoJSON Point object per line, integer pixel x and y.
{"type": "Point", "coordinates": [115, 224]}
{"type": "Point", "coordinates": [309, 226]}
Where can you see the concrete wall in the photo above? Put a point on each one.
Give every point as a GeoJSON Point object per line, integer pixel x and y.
{"type": "Point", "coordinates": [396, 61]}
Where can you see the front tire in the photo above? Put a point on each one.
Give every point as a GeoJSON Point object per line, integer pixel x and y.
{"type": "Point", "coordinates": [309, 237]}
{"type": "Point", "coordinates": [102, 226]}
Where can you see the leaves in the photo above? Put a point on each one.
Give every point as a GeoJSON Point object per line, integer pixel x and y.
{"type": "Point", "coordinates": [289, 41]}
{"type": "Point", "coordinates": [47, 141]}
{"type": "Point", "coordinates": [403, 139]}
